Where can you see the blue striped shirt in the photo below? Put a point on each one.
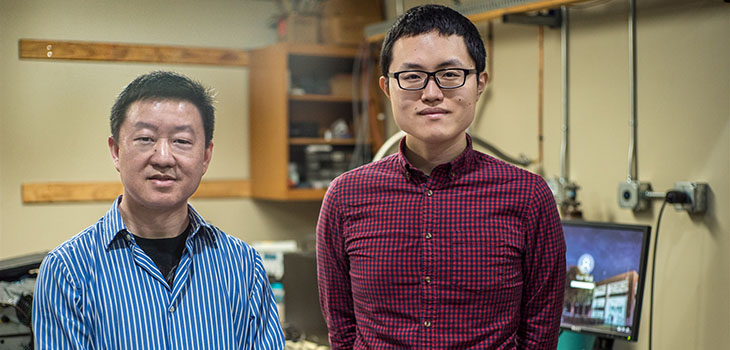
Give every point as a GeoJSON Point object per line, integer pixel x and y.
{"type": "Point", "coordinates": [99, 290]}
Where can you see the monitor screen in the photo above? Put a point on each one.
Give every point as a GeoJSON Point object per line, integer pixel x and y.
{"type": "Point", "coordinates": [605, 274]}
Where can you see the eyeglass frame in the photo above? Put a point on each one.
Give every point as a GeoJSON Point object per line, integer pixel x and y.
{"type": "Point", "coordinates": [432, 74]}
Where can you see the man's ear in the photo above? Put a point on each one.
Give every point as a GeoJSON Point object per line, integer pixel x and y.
{"type": "Point", "coordinates": [207, 156]}
{"type": "Point", "coordinates": [114, 150]}
{"type": "Point", "coordinates": [384, 85]}
{"type": "Point", "coordinates": [482, 82]}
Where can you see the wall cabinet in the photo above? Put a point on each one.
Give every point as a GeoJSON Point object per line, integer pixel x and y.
{"type": "Point", "coordinates": [302, 129]}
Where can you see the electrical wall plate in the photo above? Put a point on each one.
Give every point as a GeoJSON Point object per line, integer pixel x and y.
{"type": "Point", "coordinates": [697, 193]}
{"type": "Point", "coordinates": [631, 195]}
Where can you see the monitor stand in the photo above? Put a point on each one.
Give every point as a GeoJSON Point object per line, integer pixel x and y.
{"type": "Point", "coordinates": [603, 343]}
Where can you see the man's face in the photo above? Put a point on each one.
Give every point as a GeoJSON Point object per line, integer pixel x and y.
{"type": "Point", "coordinates": [433, 116]}
{"type": "Point", "coordinates": [161, 154]}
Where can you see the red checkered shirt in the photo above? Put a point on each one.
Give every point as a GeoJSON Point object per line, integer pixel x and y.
{"type": "Point", "coordinates": [472, 256]}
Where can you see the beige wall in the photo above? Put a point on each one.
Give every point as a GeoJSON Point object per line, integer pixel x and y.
{"type": "Point", "coordinates": [684, 135]}
{"type": "Point", "coordinates": [53, 127]}
{"type": "Point", "coordinates": [54, 114]}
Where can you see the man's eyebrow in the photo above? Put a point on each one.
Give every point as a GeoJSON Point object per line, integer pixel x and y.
{"type": "Point", "coordinates": [144, 125]}
{"type": "Point", "coordinates": [444, 64]}
{"type": "Point", "coordinates": [186, 127]}
{"type": "Point", "coordinates": [450, 63]}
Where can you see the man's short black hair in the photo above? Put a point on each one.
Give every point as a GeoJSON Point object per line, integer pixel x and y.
{"type": "Point", "coordinates": [429, 18]}
{"type": "Point", "coordinates": [167, 86]}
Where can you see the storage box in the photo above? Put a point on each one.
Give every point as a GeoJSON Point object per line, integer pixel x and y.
{"type": "Point", "coordinates": [369, 9]}
{"type": "Point", "coordinates": [299, 29]}
{"type": "Point", "coordinates": [341, 85]}
{"type": "Point", "coordinates": [344, 30]}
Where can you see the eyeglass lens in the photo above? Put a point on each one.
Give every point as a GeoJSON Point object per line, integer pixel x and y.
{"type": "Point", "coordinates": [448, 78]}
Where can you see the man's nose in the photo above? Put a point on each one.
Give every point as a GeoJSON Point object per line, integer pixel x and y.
{"type": "Point", "coordinates": [163, 154]}
{"type": "Point", "coordinates": [432, 91]}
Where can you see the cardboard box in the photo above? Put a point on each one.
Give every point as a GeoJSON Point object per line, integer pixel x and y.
{"type": "Point", "coordinates": [370, 9]}
{"type": "Point", "coordinates": [341, 85]}
{"type": "Point", "coordinates": [299, 29]}
{"type": "Point", "coordinates": [344, 30]}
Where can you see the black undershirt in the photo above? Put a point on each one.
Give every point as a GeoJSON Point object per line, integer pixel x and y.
{"type": "Point", "coordinates": [165, 252]}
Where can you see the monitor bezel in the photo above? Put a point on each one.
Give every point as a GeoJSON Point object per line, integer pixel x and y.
{"type": "Point", "coordinates": [643, 263]}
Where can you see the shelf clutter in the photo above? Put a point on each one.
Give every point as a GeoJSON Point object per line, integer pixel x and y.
{"type": "Point", "coordinates": [303, 126]}
{"type": "Point", "coordinates": [332, 22]}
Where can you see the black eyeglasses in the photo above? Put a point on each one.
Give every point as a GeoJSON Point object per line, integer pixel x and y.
{"type": "Point", "coordinates": [448, 78]}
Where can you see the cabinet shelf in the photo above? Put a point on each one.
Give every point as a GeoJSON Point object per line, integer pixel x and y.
{"type": "Point", "coordinates": [320, 141]}
{"type": "Point", "coordinates": [277, 159]}
{"type": "Point", "coordinates": [305, 193]}
{"type": "Point", "coordinates": [320, 98]}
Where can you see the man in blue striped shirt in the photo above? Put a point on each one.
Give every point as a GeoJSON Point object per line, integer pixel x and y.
{"type": "Point", "coordinates": [151, 273]}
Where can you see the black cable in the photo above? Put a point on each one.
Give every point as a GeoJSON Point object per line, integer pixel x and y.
{"type": "Point", "coordinates": [677, 197]}
{"type": "Point", "coordinates": [653, 268]}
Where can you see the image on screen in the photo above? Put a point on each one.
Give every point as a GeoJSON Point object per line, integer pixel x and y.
{"type": "Point", "coordinates": [605, 271]}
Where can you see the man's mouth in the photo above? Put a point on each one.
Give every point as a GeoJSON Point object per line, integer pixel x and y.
{"type": "Point", "coordinates": [162, 179]}
{"type": "Point", "coordinates": [433, 112]}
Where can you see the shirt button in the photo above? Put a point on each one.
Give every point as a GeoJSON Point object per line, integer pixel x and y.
{"type": "Point", "coordinates": [452, 174]}
{"type": "Point", "coordinates": [428, 279]}
{"type": "Point", "coordinates": [171, 309]}
{"type": "Point", "coordinates": [429, 193]}
{"type": "Point", "coordinates": [428, 235]}
{"type": "Point", "coordinates": [427, 324]}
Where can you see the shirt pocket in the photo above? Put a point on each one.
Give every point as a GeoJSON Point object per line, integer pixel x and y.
{"type": "Point", "coordinates": [482, 261]}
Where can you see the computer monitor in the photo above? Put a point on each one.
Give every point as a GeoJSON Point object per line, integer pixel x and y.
{"type": "Point", "coordinates": [605, 274]}
{"type": "Point", "coordinates": [301, 299]}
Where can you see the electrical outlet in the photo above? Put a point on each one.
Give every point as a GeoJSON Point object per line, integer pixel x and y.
{"type": "Point", "coordinates": [697, 193]}
{"type": "Point", "coordinates": [631, 195]}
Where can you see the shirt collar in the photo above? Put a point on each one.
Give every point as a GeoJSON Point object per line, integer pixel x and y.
{"type": "Point", "coordinates": [114, 225]}
{"type": "Point", "coordinates": [455, 168]}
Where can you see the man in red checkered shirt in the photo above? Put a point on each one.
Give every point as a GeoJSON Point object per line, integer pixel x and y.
{"type": "Point", "coordinates": [439, 246]}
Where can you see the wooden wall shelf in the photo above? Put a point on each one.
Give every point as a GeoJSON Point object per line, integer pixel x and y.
{"type": "Point", "coordinates": [119, 52]}
{"type": "Point", "coordinates": [320, 141]}
{"type": "Point", "coordinates": [537, 5]}
{"type": "Point", "coordinates": [320, 98]}
{"type": "Point", "coordinates": [52, 192]}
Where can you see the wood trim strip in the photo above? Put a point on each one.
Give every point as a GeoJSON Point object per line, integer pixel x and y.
{"type": "Point", "coordinates": [120, 52]}
{"type": "Point", "coordinates": [106, 191]}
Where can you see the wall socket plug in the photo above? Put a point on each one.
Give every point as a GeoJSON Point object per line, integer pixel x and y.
{"type": "Point", "coordinates": [697, 193]}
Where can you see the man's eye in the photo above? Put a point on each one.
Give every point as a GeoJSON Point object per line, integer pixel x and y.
{"type": "Point", "coordinates": [144, 139]}
{"type": "Point", "coordinates": [183, 142]}
{"type": "Point", "coordinates": [411, 77]}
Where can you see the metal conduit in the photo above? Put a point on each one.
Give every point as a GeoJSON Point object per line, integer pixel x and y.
{"type": "Point", "coordinates": [633, 161]}
{"type": "Point", "coordinates": [564, 27]}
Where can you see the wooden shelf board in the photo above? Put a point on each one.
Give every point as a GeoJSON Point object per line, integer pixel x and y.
{"type": "Point", "coordinates": [320, 98]}
{"type": "Point", "coordinates": [320, 141]}
{"type": "Point", "coordinates": [106, 191]}
{"type": "Point", "coordinates": [306, 193]}
{"type": "Point", "coordinates": [497, 13]}
{"type": "Point", "coordinates": [121, 52]}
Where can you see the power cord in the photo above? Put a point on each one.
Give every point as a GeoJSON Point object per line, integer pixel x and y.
{"type": "Point", "coordinates": [674, 197]}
